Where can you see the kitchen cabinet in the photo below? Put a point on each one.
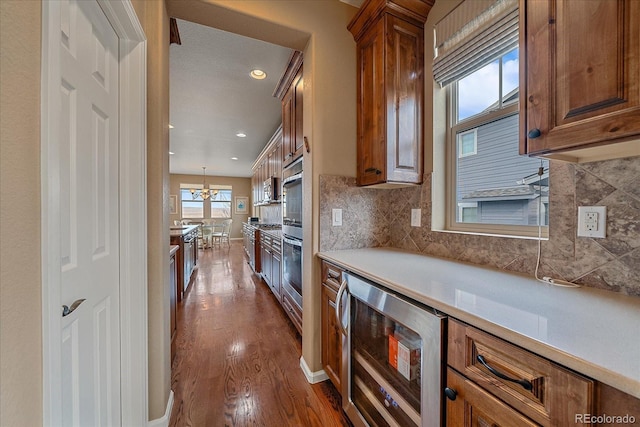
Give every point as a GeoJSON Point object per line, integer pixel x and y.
{"type": "Point", "coordinates": [186, 238]}
{"type": "Point", "coordinates": [480, 392]}
{"type": "Point", "coordinates": [390, 105]}
{"type": "Point", "coordinates": [292, 309]}
{"type": "Point", "coordinates": [268, 165]}
{"type": "Point", "coordinates": [266, 257]}
{"type": "Point", "coordinates": [271, 261]}
{"type": "Point", "coordinates": [276, 268]}
{"type": "Point", "coordinates": [331, 335]}
{"type": "Point", "coordinates": [290, 90]}
{"type": "Point", "coordinates": [579, 86]}
{"type": "Point", "coordinates": [173, 298]}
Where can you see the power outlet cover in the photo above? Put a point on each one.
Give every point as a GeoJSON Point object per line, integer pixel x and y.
{"type": "Point", "coordinates": [592, 221]}
{"type": "Point", "coordinates": [416, 217]}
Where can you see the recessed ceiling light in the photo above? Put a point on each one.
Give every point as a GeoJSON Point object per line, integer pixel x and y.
{"type": "Point", "coordinates": [258, 74]}
{"type": "Point", "coordinates": [241, 135]}
{"type": "Point", "coordinates": [171, 153]}
{"type": "Point", "coordinates": [170, 126]}
{"type": "Point", "coordinates": [234, 158]}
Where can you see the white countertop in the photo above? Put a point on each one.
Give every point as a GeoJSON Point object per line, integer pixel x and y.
{"type": "Point", "coordinates": [592, 331]}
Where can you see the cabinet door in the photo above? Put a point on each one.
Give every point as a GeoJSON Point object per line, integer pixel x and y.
{"type": "Point", "coordinates": [173, 280]}
{"type": "Point", "coordinates": [276, 271]}
{"type": "Point", "coordinates": [371, 106]}
{"type": "Point", "coordinates": [404, 100]}
{"type": "Point", "coordinates": [473, 407]}
{"type": "Point", "coordinates": [582, 67]}
{"type": "Point", "coordinates": [287, 127]}
{"type": "Point", "coordinates": [331, 337]}
{"type": "Point", "coordinates": [298, 134]}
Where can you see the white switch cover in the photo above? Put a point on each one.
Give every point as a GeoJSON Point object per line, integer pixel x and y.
{"type": "Point", "coordinates": [336, 217]}
{"type": "Point", "coordinates": [415, 217]}
{"type": "Point", "coordinates": [592, 221]}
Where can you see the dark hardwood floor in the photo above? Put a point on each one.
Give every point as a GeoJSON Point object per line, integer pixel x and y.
{"type": "Point", "coordinates": [238, 355]}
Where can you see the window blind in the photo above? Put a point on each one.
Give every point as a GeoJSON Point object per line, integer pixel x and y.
{"type": "Point", "coordinates": [473, 34]}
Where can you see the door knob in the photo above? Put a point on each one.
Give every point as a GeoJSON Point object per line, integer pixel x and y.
{"type": "Point", "coordinates": [66, 310]}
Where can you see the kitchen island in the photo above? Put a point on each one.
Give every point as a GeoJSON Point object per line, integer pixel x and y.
{"type": "Point", "coordinates": [590, 331]}
{"type": "Point", "coordinates": [186, 238]}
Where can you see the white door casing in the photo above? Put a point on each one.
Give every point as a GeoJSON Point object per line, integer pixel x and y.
{"type": "Point", "coordinates": [93, 233]}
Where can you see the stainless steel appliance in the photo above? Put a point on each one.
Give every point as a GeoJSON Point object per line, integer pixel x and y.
{"type": "Point", "coordinates": [392, 357]}
{"type": "Point", "coordinates": [292, 200]}
{"type": "Point", "coordinates": [292, 232]}
{"type": "Point", "coordinates": [292, 268]}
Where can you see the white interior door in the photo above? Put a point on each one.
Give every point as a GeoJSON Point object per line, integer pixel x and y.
{"type": "Point", "coordinates": [89, 216]}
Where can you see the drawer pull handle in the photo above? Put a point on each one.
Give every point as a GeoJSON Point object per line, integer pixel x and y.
{"type": "Point", "coordinates": [450, 393]}
{"type": "Point", "coordinates": [524, 383]}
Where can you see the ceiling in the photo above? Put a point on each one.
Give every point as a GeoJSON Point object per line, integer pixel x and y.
{"type": "Point", "coordinates": [213, 97]}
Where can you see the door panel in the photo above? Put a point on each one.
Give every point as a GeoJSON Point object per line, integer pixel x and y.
{"type": "Point", "coordinates": [89, 229]}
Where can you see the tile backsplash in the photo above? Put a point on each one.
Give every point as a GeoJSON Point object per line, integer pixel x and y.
{"type": "Point", "coordinates": [381, 218]}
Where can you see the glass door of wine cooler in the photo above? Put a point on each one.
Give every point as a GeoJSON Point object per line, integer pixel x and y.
{"type": "Point", "coordinates": [393, 356]}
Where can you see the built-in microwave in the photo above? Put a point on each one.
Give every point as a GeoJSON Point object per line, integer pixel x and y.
{"type": "Point", "coordinates": [270, 188]}
{"type": "Point", "coordinates": [292, 200]}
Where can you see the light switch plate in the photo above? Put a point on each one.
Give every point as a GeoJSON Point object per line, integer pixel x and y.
{"type": "Point", "coordinates": [336, 217]}
{"type": "Point", "coordinates": [592, 221]}
{"type": "Point", "coordinates": [416, 217]}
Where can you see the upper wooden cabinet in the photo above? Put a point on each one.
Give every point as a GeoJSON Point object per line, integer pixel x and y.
{"type": "Point", "coordinates": [390, 55]}
{"type": "Point", "coordinates": [580, 79]}
{"type": "Point", "coordinates": [290, 90]}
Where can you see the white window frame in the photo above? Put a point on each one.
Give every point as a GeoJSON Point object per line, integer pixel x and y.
{"type": "Point", "coordinates": [187, 187]}
{"type": "Point", "coordinates": [221, 187]}
{"type": "Point", "coordinates": [451, 158]}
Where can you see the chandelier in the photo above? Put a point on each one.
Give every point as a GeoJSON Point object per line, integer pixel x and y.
{"type": "Point", "coordinates": [205, 193]}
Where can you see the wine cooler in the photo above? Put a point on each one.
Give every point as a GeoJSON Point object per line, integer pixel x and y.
{"type": "Point", "coordinates": [392, 357]}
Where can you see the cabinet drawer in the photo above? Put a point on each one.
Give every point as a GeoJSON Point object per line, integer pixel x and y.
{"type": "Point", "coordinates": [473, 406]}
{"type": "Point", "coordinates": [292, 310]}
{"type": "Point", "coordinates": [546, 392]}
{"type": "Point", "coordinates": [331, 275]}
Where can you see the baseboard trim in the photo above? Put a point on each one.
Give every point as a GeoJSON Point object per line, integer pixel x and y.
{"type": "Point", "coordinates": [312, 377]}
{"type": "Point", "coordinates": [164, 420]}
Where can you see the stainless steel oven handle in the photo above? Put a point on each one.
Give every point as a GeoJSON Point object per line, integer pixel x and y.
{"type": "Point", "coordinates": [292, 178]}
{"type": "Point", "coordinates": [341, 290]}
{"type": "Point", "coordinates": [293, 242]}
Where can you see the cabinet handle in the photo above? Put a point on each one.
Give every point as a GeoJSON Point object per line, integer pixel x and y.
{"type": "Point", "coordinates": [524, 383]}
{"type": "Point", "coordinates": [450, 393]}
{"type": "Point", "coordinates": [376, 170]}
{"type": "Point", "coordinates": [534, 133]}
{"type": "Point", "coordinates": [343, 287]}
{"type": "Point", "coordinates": [67, 311]}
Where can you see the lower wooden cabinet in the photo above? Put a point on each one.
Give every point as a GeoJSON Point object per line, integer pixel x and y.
{"type": "Point", "coordinates": [493, 373]}
{"type": "Point", "coordinates": [331, 335]}
{"type": "Point", "coordinates": [471, 406]}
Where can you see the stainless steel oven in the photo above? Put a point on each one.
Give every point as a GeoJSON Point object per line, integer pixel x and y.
{"type": "Point", "coordinates": [392, 357]}
{"type": "Point", "coordinates": [292, 200]}
{"type": "Point", "coordinates": [292, 268]}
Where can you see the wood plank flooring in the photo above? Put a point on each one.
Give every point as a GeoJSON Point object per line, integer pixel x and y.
{"type": "Point", "coordinates": [238, 355]}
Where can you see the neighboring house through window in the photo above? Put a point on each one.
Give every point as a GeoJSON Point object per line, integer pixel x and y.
{"type": "Point", "coordinates": [490, 187]}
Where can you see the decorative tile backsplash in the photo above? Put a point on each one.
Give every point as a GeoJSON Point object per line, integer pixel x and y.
{"type": "Point", "coordinates": [381, 218]}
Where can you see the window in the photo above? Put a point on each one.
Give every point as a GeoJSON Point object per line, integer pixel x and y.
{"type": "Point", "coordinates": [221, 201]}
{"type": "Point", "coordinates": [468, 143]}
{"type": "Point", "coordinates": [191, 208]}
{"type": "Point", "coordinates": [489, 187]}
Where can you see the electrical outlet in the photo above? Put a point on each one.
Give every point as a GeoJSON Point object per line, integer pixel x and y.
{"type": "Point", "coordinates": [592, 221]}
{"type": "Point", "coordinates": [416, 217]}
{"type": "Point", "coordinates": [336, 217]}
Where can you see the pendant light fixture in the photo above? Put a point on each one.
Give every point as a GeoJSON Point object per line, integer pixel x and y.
{"type": "Point", "coordinates": [205, 193]}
